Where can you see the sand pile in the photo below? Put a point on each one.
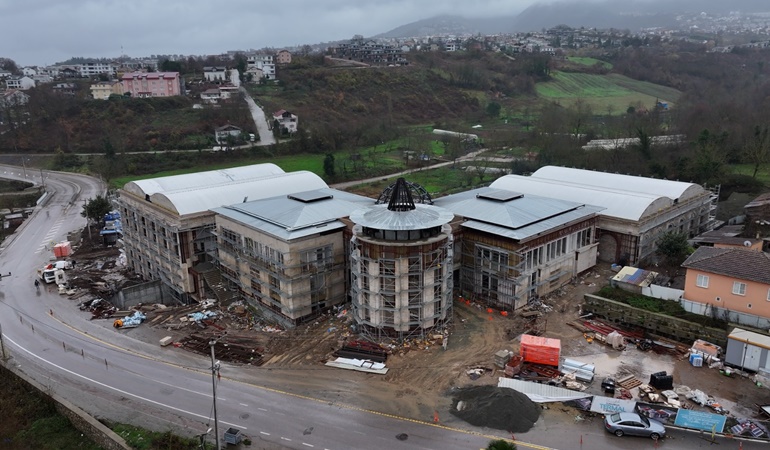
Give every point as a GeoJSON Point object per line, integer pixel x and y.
{"type": "Point", "coordinates": [494, 407]}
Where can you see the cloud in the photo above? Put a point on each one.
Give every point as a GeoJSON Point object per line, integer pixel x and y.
{"type": "Point", "coordinates": [49, 31]}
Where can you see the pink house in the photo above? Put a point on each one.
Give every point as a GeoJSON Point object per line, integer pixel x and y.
{"type": "Point", "coordinates": [151, 84]}
{"type": "Point", "coordinates": [734, 282]}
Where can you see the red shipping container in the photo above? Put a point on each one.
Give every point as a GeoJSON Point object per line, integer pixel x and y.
{"type": "Point", "coordinates": [540, 350]}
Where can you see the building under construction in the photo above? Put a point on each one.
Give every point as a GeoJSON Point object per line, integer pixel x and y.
{"type": "Point", "coordinates": [401, 266]}
{"type": "Point", "coordinates": [515, 248]}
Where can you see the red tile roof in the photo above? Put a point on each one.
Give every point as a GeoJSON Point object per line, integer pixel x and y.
{"type": "Point", "coordinates": [739, 263]}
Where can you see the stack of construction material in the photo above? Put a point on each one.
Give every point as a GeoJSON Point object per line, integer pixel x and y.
{"type": "Point", "coordinates": [363, 350]}
{"type": "Point", "coordinates": [582, 371]}
{"type": "Point", "coordinates": [62, 249]}
{"type": "Point", "coordinates": [501, 358]}
{"type": "Point", "coordinates": [661, 381]}
{"type": "Point", "coordinates": [540, 350]}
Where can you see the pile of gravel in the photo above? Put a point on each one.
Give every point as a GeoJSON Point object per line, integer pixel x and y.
{"type": "Point", "coordinates": [493, 407]}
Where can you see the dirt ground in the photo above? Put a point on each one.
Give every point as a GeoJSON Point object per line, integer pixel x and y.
{"type": "Point", "coordinates": [421, 373]}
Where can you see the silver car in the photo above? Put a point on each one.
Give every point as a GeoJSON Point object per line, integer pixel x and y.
{"type": "Point", "coordinates": [633, 424]}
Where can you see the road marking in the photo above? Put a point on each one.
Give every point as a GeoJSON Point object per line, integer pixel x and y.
{"type": "Point", "coordinates": [305, 397]}
{"type": "Point", "coordinates": [243, 404]}
{"type": "Point", "coordinates": [99, 383]}
{"type": "Point", "coordinates": [262, 409]}
{"type": "Point", "coordinates": [285, 439]}
{"type": "Point", "coordinates": [266, 434]}
{"type": "Point", "coordinates": [308, 445]}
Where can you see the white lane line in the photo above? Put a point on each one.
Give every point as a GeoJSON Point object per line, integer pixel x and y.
{"type": "Point", "coordinates": [266, 434]}
{"type": "Point", "coordinates": [285, 439]}
{"type": "Point", "coordinates": [262, 409]}
{"type": "Point", "coordinates": [308, 445]}
{"type": "Point", "coordinates": [243, 404]}
{"type": "Point", "coordinates": [99, 383]}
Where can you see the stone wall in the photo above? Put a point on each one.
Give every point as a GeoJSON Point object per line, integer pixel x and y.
{"type": "Point", "coordinates": [95, 430]}
{"type": "Point", "coordinates": [655, 323]}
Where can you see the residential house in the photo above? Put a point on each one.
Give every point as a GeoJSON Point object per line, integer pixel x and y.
{"type": "Point", "coordinates": [256, 74]}
{"type": "Point", "coordinates": [726, 236]}
{"type": "Point", "coordinates": [730, 283]}
{"type": "Point", "coordinates": [263, 62]}
{"type": "Point", "coordinates": [29, 72]}
{"type": "Point", "coordinates": [224, 132]}
{"type": "Point", "coordinates": [69, 72]}
{"type": "Point", "coordinates": [64, 88]}
{"type": "Point", "coordinates": [215, 73]}
{"type": "Point", "coordinates": [283, 57]}
{"type": "Point", "coordinates": [42, 79]}
{"type": "Point", "coordinates": [285, 121]}
{"type": "Point", "coordinates": [23, 83]}
{"type": "Point", "coordinates": [152, 84]}
{"type": "Point", "coordinates": [5, 74]}
{"type": "Point", "coordinates": [91, 69]}
{"type": "Point", "coordinates": [103, 89]}
{"type": "Point", "coordinates": [211, 95]}
{"type": "Point", "coordinates": [228, 91]}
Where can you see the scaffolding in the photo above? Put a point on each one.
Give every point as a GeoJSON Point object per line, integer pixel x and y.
{"type": "Point", "coordinates": [495, 276]}
{"type": "Point", "coordinates": [280, 282]}
{"type": "Point", "coordinates": [401, 291]}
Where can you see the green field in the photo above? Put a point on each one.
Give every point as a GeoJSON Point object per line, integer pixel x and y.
{"type": "Point", "coordinates": [763, 174]}
{"type": "Point", "coordinates": [586, 61]}
{"type": "Point", "coordinates": [604, 92]}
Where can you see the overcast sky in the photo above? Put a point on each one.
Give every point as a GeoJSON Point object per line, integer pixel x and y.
{"type": "Point", "coordinates": [41, 32]}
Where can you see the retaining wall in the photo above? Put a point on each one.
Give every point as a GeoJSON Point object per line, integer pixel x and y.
{"type": "Point", "coordinates": [145, 293]}
{"type": "Point", "coordinates": [655, 323]}
{"type": "Point", "coordinates": [95, 430]}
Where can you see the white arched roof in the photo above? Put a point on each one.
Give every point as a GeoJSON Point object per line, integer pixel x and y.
{"type": "Point", "coordinates": [642, 185]}
{"type": "Point", "coordinates": [203, 198]}
{"type": "Point", "coordinates": [623, 205]}
{"type": "Point", "coordinates": [151, 186]}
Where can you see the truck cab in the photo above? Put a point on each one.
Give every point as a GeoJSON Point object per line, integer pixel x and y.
{"type": "Point", "coordinates": [48, 276]}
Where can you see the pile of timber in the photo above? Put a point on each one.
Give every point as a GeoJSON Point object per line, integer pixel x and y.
{"type": "Point", "coordinates": [362, 350]}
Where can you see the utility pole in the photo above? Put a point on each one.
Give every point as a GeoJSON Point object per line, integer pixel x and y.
{"type": "Point", "coordinates": [214, 372]}
{"type": "Point", "coordinates": [24, 166]}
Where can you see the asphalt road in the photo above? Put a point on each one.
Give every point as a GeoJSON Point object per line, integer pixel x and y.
{"type": "Point", "coordinates": [113, 376]}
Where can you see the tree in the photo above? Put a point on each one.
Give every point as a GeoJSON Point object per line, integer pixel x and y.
{"type": "Point", "coordinates": [757, 148]}
{"type": "Point", "coordinates": [94, 209]}
{"type": "Point", "coordinates": [673, 247]}
{"type": "Point", "coordinates": [329, 165]}
{"type": "Point", "coordinates": [493, 109]}
{"type": "Point", "coordinates": [501, 444]}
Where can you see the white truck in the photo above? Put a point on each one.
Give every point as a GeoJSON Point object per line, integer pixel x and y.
{"type": "Point", "coordinates": [54, 272]}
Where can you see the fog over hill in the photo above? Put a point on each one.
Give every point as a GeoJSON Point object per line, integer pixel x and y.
{"type": "Point", "coordinates": [631, 15]}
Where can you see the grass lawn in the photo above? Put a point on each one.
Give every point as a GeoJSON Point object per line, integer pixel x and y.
{"type": "Point", "coordinates": [763, 174]}
{"type": "Point", "coordinates": [604, 92]}
{"type": "Point", "coordinates": [586, 61]}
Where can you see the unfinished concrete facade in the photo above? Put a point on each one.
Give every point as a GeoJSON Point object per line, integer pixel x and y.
{"type": "Point", "coordinates": [515, 248]}
{"type": "Point", "coordinates": [401, 267]}
{"type": "Point", "coordinates": [637, 210]}
{"type": "Point", "coordinates": [168, 224]}
{"type": "Point", "coordinates": [288, 255]}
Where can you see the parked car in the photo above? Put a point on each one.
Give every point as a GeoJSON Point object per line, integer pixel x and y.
{"type": "Point", "coordinates": [633, 424]}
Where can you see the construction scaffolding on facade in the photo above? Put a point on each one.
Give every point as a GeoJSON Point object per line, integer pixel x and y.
{"type": "Point", "coordinates": [494, 276]}
{"type": "Point", "coordinates": [401, 292]}
{"type": "Point", "coordinates": [401, 265]}
{"type": "Point", "coordinates": [294, 289]}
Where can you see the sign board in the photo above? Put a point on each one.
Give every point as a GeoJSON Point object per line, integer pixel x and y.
{"type": "Point", "coordinates": [607, 405]}
{"type": "Point", "coordinates": [700, 420]}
